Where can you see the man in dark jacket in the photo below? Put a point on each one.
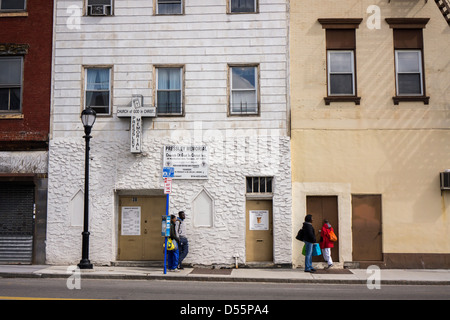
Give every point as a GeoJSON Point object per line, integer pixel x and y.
{"type": "Point", "coordinates": [309, 238]}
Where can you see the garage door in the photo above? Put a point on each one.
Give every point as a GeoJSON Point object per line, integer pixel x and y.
{"type": "Point", "coordinates": [16, 223]}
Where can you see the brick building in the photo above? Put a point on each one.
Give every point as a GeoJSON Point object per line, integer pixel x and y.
{"type": "Point", "coordinates": [25, 90]}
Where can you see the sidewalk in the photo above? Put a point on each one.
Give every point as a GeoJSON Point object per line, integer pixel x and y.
{"type": "Point", "coordinates": [337, 276]}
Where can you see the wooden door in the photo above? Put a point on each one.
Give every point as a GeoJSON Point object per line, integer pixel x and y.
{"type": "Point", "coordinates": [324, 207]}
{"type": "Point", "coordinates": [366, 228]}
{"type": "Point", "coordinates": [140, 228]}
{"type": "Point", "coordinates": [259, 231]}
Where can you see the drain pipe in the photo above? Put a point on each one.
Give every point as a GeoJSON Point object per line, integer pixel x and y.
{"type": "Point", "coordinates": [236, 257]}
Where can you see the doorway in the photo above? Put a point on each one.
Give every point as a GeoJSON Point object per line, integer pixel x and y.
{"type": "Point", "coordinates": [259, 231]}
{"type": "Point", "coordinates": [140, 228]}
{"type": "Point", "coordinates": [366, 228]}
{"type": "Point", "coordinates": [324, 207]}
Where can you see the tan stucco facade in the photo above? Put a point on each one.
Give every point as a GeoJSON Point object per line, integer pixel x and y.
{"type": "Point", "coordinates": [376, 147]}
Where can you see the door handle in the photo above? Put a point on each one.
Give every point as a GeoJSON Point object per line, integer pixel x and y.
{"type": "Point", "coordinates": [145, 231]}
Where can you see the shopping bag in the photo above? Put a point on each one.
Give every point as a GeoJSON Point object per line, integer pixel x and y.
{"type": "Point", "coordinates": [304, 250]}
{"type": "Point", "coordinates": [333, 237]}
{"type": "Point", "coordinates": [316, 250]}
{"type": "Point", "coordinates": [171, 244]}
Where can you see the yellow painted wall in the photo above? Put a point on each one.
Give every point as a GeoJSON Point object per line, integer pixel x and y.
{"type": "Point", "coordinates": [377, 147]}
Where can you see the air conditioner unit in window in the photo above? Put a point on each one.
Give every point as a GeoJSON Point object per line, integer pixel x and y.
{"type": "Point", "coordinates": [99, 10]}
{"type": "Point", "coordinates": [445, 180]}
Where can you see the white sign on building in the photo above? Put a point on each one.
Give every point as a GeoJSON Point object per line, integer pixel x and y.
{"type": "Point", "coordinates": [189, 162]}
{"type": "Point", "coordinates": [259, 220]}
{"type": "Point", "coordinates": [131, 221]}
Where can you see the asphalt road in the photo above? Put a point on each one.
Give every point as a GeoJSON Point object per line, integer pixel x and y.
{"type": "Point", "coordinates": [13, 288]}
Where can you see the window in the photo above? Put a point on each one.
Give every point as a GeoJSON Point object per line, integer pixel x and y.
{"type": "Point", "coordinates": [99, 7]}
{"type": "Point", "coordinates": [409, 63]}
{"type": "Point", "coordinates": [244, 90]}
{"type": "Point", "coordinates": [98, 90]}
{"type": "Point", "coordinates": [170, 7]}
{"type": "Point", "coordinates": [408, 66]}
{"type": "Point", "coordinates": [10, 84]}
{"type": "Point", "coordinates": [259, 184]}
{"type": "Point", "coordinates": [341, 73]}
{"type": "Point", "coordinates": [340, 37]}
{"type": "Point", "coordinates": [243, 6]}
{"type": "Point", "coordinates": [12, 5]}
{"type": "Point", "coordinates": [169, 95]}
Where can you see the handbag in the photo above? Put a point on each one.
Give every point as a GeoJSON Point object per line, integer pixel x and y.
{"type": "Point", "coordinates": [316, 250]}
{"type": "Point", "coordinates": [333, 237]}
{"type": "Point", "coordinates": [171, 244]}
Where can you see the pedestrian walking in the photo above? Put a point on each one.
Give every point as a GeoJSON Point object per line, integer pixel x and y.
{"type": "Point", "coordinates": [309, 238]}
{"type": "Point", "coordinates": [325, 242]}
{"type": "Point", "coordinates": [172, 255]}
{"type": "Point", "coordinates": [184, 243]}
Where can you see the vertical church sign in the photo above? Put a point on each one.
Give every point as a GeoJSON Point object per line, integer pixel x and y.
{"type": "Point", "coordinates": [136, 112]}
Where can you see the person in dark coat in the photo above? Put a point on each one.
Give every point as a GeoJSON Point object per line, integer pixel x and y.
{"type": "Point", "coordinates": [309, 238]}
{"type": "Point", "coordinates": [172, 255]}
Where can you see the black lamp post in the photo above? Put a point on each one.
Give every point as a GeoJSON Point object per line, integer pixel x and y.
{"type": "Point", "coordinates": [88, 117]}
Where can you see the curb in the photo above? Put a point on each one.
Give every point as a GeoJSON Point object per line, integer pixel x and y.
{"type": "Point", "coordinates": [219, 279]}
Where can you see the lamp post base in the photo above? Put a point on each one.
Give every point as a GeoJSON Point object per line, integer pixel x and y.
{"type": "Point", "coordinates": [85, 264]}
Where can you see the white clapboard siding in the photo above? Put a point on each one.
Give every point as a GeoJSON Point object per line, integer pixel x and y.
{"type": "Point", "coordinates": [205, 39]}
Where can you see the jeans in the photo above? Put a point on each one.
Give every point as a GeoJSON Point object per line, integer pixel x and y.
{"type": "Point", "coordinates": [184, 249]}
{"type": "Point", "coordinates": [172, 259]}
{"type": "Point", "coordinates": [308, 255]}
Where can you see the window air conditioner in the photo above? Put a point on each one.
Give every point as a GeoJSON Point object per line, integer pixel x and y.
{"type": "Point", "coordinates": [445, 180]}
{"type": "Point", "coordinates": [99, 10]}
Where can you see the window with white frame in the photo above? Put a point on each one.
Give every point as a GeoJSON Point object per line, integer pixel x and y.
{"type": "Point", "coordinates": [259, 184]}
{"type": "Point", "coordinates": [408, 66]}
{"type": "Point", "coordinates": [13, 5]}
{"type": "Point", "coordinates": [99, 7]}
{"type": "Point", "coordinates": [243, 6]}
{"type": "Point", "coordinates": [169, 92]}
{"type": "Point", "coordinates": [11, 84]}
{"type": "Point", "coordinates": [243, 90]}
{"type": "Point", "coordinates": [98, 90]}
{"type": "Point", "coordinates": [341, 73]}
{"type": "Point", "coordinates": [169, 7]}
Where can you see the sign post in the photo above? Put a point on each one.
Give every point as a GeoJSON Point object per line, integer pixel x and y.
{"type": "Point", "coordinates": [168, 173]}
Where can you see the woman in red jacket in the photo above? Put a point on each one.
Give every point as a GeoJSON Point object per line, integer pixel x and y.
{"type": "Point", "coordinates": [325, 243]}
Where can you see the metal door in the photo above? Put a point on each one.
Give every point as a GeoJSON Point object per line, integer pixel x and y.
{"type": "Point", "coordinates": [16, 223]}
{"type": "Point", "coordinates": [144, 242]}
{"type": "Point", "coordinates": [324, 207]}
{"type": "Point", "coordinates": [259, 227]}
{"type": "Point", "coordinates": [366, 228]}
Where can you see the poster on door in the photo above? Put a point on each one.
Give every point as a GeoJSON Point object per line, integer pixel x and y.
{"type": "Point", "coordinates": [131, 221]}
{"type": "Point", "coordinates": [259, 220]}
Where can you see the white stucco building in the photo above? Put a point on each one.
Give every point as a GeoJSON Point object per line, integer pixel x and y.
{"type": "Point", "coordinates": [217, 73]}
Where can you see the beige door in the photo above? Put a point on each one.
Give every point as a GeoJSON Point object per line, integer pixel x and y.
{"type": "Point", "coordinates": [142, 240]}
{"type": "Point", "coordinates": [259, 231]}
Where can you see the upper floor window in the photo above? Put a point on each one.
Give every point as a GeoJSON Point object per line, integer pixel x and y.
{"type": "Point", "coordinates": [98, 90]}
{"type": "Point", "coordinates": [244, 89]}
{"type": "Point", "coordinates": [408, 59]}
{"type": "Point", "coordinates": [341, 73]}
{"type": "Point", "coordinates": [169, 7]}
{"type": "Point", "coordinates": [13, 5]}
{"type": "Point", "coordinates": [169, 92]}
{"type": "Point", "coordinates": [243, 6]}
{"type": "Point", "coordinates": [99, 7]}
{"type": "Point", "coordinates": [409, 76]}
{"type": "Point", "coordinates": [10, 84]}
{"type": "Point", "coordinates": [341, 59]}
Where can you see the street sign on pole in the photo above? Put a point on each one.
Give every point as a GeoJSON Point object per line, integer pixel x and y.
{"type": "Point", "coordinates": [168, 173]}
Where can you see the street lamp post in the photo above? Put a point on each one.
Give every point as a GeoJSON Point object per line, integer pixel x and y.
{"type": "Point", "coordinates": [88, 117]}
